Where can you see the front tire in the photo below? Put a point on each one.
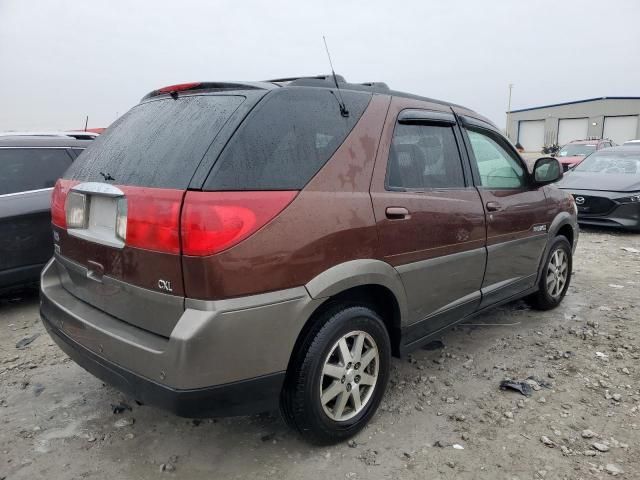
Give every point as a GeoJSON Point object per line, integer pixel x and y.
{"type": "Point", "coordinates": [338, 376]}
{"type": "Point", "coordinates": [555, 276]}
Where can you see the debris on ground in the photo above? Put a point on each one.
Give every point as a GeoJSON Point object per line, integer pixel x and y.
{"type": "Point", "coordinates": [523, 387]}
{"type": "Point", "coordinates": [124, 422]}
{"type": "Point", "coordinates": [369, 457]}
{"type": "Point", "coordinates": [120, 407]}
{"type": "Point", "coordinates": [38, 388]}
{"type": "Point", "coordinates": [601, 447]}
{"type": "Point", "coordinates": [22, 343]}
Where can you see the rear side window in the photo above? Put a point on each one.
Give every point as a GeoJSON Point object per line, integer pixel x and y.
{"type": "Point", "coordinates": [424, 157]}
{"type": "Point", "coordinates": [285, 141]}
{"type": "Point", "coordinates": [24, 169]}
{"type": "Point", "coordinates": [159, 143]}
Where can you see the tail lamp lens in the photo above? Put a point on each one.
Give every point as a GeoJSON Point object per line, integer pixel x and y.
{"type": "Point", "coordinates": [215, 221]}
{"type": "Point", "coordinates": [76, 210]}
{"type": "Point", "coordinates": [152, 218]}
{"type": "Point", "coordinates": [58, 200]}
{"type": "Point", "coordinates": [171, 221]}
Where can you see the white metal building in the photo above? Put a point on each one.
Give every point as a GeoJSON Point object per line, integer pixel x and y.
{"type": "Point", "coordinates": [616, 118]}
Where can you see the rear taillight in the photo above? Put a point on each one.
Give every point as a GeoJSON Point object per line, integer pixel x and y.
{"type": "Point", "coordinates": [156, 219]}
{"type": "Point", "coordinates": [150, 218]}
{"type": "Point", "coordinates": [215, 221]}
{"type": "Point", "coordinates": [58, 201]}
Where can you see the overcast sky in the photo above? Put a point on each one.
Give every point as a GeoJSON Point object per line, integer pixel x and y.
{"type": "Point", "coordinates": [62, 59]}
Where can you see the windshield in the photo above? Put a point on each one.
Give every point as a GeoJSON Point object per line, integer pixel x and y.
{"type": "Point", "coordinates": [611, 163]}
{"type": "Point", "coordinates": [576, 149]}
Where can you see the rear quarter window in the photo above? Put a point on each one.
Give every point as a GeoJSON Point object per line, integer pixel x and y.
{"type": "Point", "coordinates": [24, 169]}
{"type": "Point", "coordinates": [158, 143]}
{"type": "Point", "coordinates": [285, 141]}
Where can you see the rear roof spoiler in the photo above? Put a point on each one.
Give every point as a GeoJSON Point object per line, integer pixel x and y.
{"type": "Point", "coordinates": [208, 86]}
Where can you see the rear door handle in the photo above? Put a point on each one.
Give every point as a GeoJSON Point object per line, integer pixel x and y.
{"type": "Point", "coordinates": [397, 213]}
{"type": "Point", "coordinates": [493, 206]}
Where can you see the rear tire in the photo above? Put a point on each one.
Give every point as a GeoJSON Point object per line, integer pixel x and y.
{"type": "Point", "coordinates": [338, 376]}
{"type": "Point", "coordinates": [555, 276]}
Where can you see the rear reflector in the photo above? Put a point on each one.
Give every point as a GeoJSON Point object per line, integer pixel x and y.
{"type": "Point", "coordinates": [152, 218]}
{"type": "Point", "coordinates": [58, 200]}
{"type": "Point", "coordinates": [215, 221]}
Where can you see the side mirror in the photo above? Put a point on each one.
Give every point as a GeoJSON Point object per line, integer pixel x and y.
{"type": "Point", "coordinates": [547, 170]}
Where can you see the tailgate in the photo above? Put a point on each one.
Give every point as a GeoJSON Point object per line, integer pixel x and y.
{"type": "Point", "coordinates": [140, 286]}
{"type": "Point", "coordinates": [116, 212]}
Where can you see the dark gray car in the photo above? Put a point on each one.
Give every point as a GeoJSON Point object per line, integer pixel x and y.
{"type": "Point", "coordinates": [606, 188]}
{"type": "Point", "coordinates": [29, 168]}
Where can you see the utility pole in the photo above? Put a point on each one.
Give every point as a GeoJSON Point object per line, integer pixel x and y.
{"type": "Point", "coordinates": [508, 129]}
{"type": "Point", "coordinates": [86, 123]}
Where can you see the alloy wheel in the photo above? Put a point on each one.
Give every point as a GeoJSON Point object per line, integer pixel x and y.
{"type": "Point", "coordinates": [349, 376]}
{"type": "Point", "coordinates": [557, 273]}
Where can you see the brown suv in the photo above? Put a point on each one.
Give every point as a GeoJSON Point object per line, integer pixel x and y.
{"type": "Point", "coordinates": [225, 248]}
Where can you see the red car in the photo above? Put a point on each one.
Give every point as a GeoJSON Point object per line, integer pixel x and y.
{"type": "Point", "coordinates": [574, 152]}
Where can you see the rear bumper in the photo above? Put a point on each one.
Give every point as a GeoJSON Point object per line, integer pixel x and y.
{"type": "Point", "coordinates": [237, 398]}
{"type": "Point", "coordinates": [224, 357]}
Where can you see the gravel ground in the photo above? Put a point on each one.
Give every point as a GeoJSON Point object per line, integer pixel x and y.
{"type": "Point", "coordinates": [443, 416]}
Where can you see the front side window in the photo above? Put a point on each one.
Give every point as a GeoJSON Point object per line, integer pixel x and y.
{"type": "Point", "coordinates": [24, 169]}
{"type": "Point", "coordinates": [424, 157]}
{"type": "Point", "coordinates": [496, 166]}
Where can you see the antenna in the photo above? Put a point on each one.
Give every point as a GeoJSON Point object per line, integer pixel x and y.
{"type": "Point", "coordinates": [343, 108]}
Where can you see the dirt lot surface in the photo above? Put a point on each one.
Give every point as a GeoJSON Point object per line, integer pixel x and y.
{"type": "Point", "coordinates": [443, 417]}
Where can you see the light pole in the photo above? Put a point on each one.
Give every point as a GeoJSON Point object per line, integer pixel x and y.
{"type": "Point", "coordinates": [509, 114]}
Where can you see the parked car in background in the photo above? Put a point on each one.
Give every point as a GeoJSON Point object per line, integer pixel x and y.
{"type": "Point", "coordinates": [77, 134]}
{"type": "Point", "coordinates": [574, 152]}
{"type": "Point", "coordinates": [29, 168]}
{"type": "Point", "coordinates": [225, 248]}
{"type": "Point", "coordinates": [606, 188]}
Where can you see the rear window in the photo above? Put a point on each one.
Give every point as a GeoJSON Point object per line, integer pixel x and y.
{"type": "Point", "coordinates": [24, 169]}
{"type": "Point", "coordinates": [159, 143]}
{"type": "Point", "coordinates": [287, 138]}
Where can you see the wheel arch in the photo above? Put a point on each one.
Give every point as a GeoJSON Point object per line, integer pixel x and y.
{"type": "Point", "coordinates": [372, 283]}
{"type": "Point", "coordinates": [563, 224]}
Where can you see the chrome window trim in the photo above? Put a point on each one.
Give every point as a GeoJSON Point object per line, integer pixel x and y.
{"type": "Point", "coordinates": [25, 192]}
{"type": "Point", "coordinates": [36, 148]}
